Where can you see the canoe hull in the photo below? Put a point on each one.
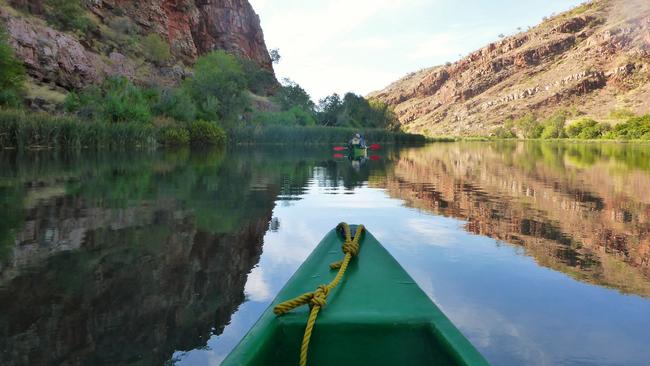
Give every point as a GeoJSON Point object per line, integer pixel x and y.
{"type": "Point", "coordinates": [377, 316]}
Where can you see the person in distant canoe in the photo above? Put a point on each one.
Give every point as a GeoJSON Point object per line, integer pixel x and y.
{"type": "Point", "coordinates": [357, 141]}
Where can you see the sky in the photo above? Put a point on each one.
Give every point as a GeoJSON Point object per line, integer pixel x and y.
{"type": "Point", "coordinates": [338, 46]}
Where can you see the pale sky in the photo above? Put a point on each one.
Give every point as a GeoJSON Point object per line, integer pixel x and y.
{"type": "Point", "coordinates": [363, 45]}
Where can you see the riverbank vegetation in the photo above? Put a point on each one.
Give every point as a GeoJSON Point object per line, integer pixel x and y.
{"type": "Point", "coordinates": [563, 125]}
{"type": "Point", "coordinates": [225, 99]}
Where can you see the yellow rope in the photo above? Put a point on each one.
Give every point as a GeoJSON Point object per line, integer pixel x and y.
{"type": "Point", "coordinates": [318, 298]}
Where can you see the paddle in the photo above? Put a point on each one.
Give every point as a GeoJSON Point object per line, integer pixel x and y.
{"type": "Point", "coordinates": [371, 147]}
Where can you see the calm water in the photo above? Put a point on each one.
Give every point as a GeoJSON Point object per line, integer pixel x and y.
{"type": "Point", "coordinates": [539, 253]}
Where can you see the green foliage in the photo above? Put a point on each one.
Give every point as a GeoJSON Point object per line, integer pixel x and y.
{"type": "Point", "coordinates": [259, 80]}
{"type": "Point", "coordinates": [116, 100]}
{"type": "Point", "coordinates": [124, 25]}
{"type": "Point", "coordinates": [553, 127]}
{"type": "Point", "coordinates": [217, 87]}
{"type": "Point", "coordinates": [206, 133]}
{"type": "Point", "coordinates": [295, 116]}
{"type": "Point", "coordinates": [66, 14]}
{"type": "Point", "coordinates": [176, 104]}
{"type": "Point", "coordinates": [354, 111]}
{"type": "Point", "coordinates": [275, 55]}
{"type": "Point", "coordinates": [621, 114]}
{"type": "Point", "coordinates": [21, 130]}
{"type": "Point", "coordinates": [173, 136]}
{"type": "Point", "coordinates": [292, 95]}
{"type": "Point", "coordinates": [156, 49]}
{"type": "Point", "coordinates": [586, 128]}
{"type": "Point", "coordinates": [633, 129]}
{"type": "Point", "coordinates": [529, 127]}
{"type": "Point", "coordinates": [293, 135]}
{"type": "Point", "coordinates": [12, 74]}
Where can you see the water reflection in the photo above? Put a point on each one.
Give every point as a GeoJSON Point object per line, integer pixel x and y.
{"type": "Point", "coordinates": [582, 209]}
{"type": "Point", "coordinates": [137, 258]}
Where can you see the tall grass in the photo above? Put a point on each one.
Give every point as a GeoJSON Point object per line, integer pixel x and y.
{"type": "Point", "coordinates": [296, 135]}
{"type": "Point", "coordinates": [27, 130]}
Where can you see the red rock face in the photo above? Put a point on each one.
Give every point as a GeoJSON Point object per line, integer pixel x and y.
{"type": "Point", "coordinates": [192, 28]}
{"type": "Point", "coordinates": [197, 27]}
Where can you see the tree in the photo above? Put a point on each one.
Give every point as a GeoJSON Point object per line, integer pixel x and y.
{"type": "Point", "coordinates": [292, 94]}
{"type": "Point", "coordinates": [12, 74]}
{"type": "Point", "coordinates": [218, 86]}
{"type": "Point", "coordinates": [329, 109]}
{"type": "Point", "coordinates": [275, 55]}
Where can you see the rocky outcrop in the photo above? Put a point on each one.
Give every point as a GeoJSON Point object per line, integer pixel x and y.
{"type": "Point", "coordinates": [585, 57]}
{"type": "Point", "coordinates": [192, 28]}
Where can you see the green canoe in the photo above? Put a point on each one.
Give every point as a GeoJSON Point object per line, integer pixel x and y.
{"type": "Point", "coordinates": [376, 316]}
{"type": "Point", "coordinates": [358, 152]}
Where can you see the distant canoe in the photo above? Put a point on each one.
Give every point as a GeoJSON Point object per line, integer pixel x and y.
{"type": "Point", "coordinates": [377, 315]}
{"type": "Point", "coordinates": [358, 152]}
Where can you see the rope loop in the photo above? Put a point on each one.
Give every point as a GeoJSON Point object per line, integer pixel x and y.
{"type": "Point", "coordinates": [318, 298]}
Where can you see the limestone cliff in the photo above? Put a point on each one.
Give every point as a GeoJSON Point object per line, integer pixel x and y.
{"type": "Point", "coordinates": [111, 44]}
{"type": "Point", "coordinates": [595, 58]}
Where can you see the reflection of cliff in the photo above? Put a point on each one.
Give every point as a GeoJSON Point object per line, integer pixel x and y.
{"type": "Point", "coordinates": [135, 273]}
{"type": "Point", "coordinates": [592, 222]}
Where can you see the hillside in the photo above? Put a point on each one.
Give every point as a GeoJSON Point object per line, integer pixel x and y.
{"type": "Point", "coordinates": [590, 60]}
{"type": "Point", "coordinates": [70, 44]}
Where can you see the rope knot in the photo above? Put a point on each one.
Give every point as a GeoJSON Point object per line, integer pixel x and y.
{"type": "Point", "coordinates": [320, 296]}
{"type": "Point", "coordinates": [351, 247]}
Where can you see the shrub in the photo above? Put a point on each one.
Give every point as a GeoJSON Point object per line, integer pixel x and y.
{"type": "Point", "coordinates": [156, 49]}
{"type": "Point", "coordinates": [176, 104]}
{"type": "Point", "coordinates": [529, 126]}
{"type": "Point", "coordinates": [553, 126]}
{"type": "Point", "coordinates": [206, 133]}
{"type": "Point", "coordinates": [258, 79]}
{"type": "Point", "coordinates": [217, 87]}
{"type": "Point", "coordinates": [173, 136]}
{"type": "Point", "coordinates": [634, 128]}
{"type": "Point", "coordinates": [295, 116]}
{"type": "Point", "coordinates": [116, 100]}
{"type": "Point", "coordinates": [12, 74]}
{"type": "Point", "coordinates": [621, 114]}
{"type": "Point", "coordinates": [504, 133]}
{"type": "Point", "coordinates": [124, 25]}
{"type": "Point", "coordinates": [66, 14]}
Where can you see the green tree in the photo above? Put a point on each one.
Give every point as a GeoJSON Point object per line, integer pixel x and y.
{"type": "Point", "coordinates": [12, 74]}
{"type": "Point", "coordinates": [330, 109]}
{"type": "Point", "coordinates": [218, 87]}
{"type": "Point", "coordinates": [156, 49]}
{"type": "Point", "coordinates": [554, 126]}
{"type": "Point", "coordinates": [292, 94]}
{"type": "Point", "coordinates": [529, 127]}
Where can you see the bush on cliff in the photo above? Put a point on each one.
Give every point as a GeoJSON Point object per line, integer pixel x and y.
{"type": "Point", "coordinates": [156, 49]}
{"type": "Point", "coordinates": [12, 74]}
{"type": "Point", "coordinates": [66, 14]}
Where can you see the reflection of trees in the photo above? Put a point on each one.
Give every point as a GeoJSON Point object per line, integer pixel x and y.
{"type": "Point", "coordinates": [590, 220]}
{"type": "Point", "coordinates": [114, 260]}
{"type": "Point", "coordinates": [125, 258]}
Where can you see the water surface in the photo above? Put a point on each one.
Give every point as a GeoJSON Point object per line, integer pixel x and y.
{"type": "Point", "coordinates": [539, 253]}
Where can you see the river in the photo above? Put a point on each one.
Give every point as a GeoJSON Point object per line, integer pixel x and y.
{"type": "Point", "coordinates": [538, 252]}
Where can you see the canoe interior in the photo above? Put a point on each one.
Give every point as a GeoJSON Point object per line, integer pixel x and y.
{"type": "Point", "coordinates": [377, 316]}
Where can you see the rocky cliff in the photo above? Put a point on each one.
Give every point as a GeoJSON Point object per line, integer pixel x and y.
{"type": "Point", "coordinates": [594, 58]}
{"type": "Point", "coordinates": [112, 42]}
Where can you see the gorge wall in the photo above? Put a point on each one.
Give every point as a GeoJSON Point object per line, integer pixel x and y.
{"type": "Point", "coordinates": [593, 58]}
{"type": "Point", "coordinates": [111, 43]}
